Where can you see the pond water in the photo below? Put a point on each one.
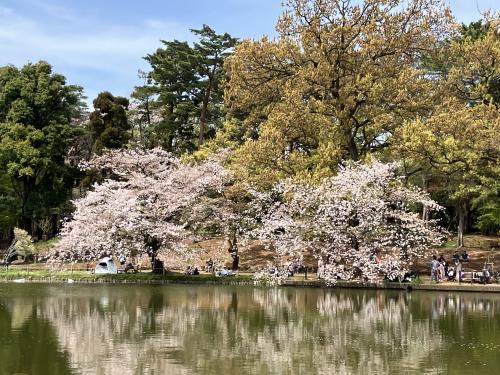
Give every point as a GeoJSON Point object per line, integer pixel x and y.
{"type": "Point", "coordinates": [141, 329]}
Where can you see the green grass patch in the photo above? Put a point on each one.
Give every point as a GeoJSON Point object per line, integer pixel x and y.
{"type": "Point", "coordinates": [417, 281]}
{"type": "Point", "coordinates": [450, 244]}
{"type": "Point", "coordinates": [46, 275]}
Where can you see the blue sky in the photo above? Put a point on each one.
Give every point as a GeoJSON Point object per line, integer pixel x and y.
{"type": "Point", "coordinates": [99, 44]}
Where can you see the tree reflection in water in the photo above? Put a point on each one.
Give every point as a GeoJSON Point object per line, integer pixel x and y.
{"type": "Point", "coordinates": [213, 330]}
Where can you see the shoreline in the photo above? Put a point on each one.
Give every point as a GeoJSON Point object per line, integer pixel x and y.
{"type": "Point", "coordinates": [240, 280]}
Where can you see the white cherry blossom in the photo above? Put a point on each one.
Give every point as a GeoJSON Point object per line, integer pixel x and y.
{"type": "Point", "coordinates": [361, 223]}
{"type": "Point", "coordinates": [138, 208]}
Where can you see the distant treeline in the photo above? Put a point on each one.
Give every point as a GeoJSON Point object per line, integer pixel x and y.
{"type": "Point", "coordinates": [341, 83]}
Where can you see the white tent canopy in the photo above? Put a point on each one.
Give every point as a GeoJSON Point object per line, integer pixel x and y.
{"type": "Point", "coordinates": [106, 265]}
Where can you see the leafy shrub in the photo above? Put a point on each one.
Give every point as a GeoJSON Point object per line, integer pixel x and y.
{"type": "Point", "coordinates": [489, 219]}
{"type": "Point", "coordinates": [24, 242]}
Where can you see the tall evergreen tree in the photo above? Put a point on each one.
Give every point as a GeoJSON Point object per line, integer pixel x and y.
{"type": "Point", "coordinates": [212, 50]}
{"type": "Point", "coordinates": [36, 109]}
{"type": "Point", "coordinates": [186, 80]}
{"type": "Point", "coordinates": [142, 112]}
{"type": "Point", "coordinates": [108, 123]}
{"type": "Point", "coordinates": [173, 77]}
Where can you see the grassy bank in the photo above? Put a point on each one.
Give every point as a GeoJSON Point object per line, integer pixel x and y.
{"type": "Point", "coordinates": [38, 275]}
{"type": "Point", "coordinates": [145, 277]}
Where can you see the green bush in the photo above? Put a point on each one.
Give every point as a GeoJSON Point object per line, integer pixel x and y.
{"type": "Point", "coordinates": [488, 221]}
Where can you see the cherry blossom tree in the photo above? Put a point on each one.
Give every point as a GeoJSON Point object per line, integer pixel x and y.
{"type": "Point", "coordinates": [138, 208]}
{"type": "Point", "coordinates": [361, 223]}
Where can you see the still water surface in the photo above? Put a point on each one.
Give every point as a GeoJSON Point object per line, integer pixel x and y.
{"type": "Point", "coordinates": [140, 329]}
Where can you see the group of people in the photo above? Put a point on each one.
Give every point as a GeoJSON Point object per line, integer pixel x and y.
{"type": "Point", "coordinates": [219, 271]}
{"type": "Point", "coordinates": [192, 270]}
{"type": "Point", "coordinates": [463, 258]}
{"type": "Point", "coordinates": [295, 267]}
{"type": "Point", "coordinates": [441, 270]}
{"type": "Point", "coordinates": [127, 265]}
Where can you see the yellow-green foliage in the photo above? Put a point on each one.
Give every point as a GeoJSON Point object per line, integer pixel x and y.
{"type": "Point", "coordinates": [24, 242]}
{"type": "Point", "coordinates": [460, 139]}
{"type": "Point", "coordinates": [42, 247]}
{"type": "Point", "coordinates": [335, 84]}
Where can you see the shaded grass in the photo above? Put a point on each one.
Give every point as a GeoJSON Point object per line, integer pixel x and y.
{"type": "Point", "coordinates": [450, 244]}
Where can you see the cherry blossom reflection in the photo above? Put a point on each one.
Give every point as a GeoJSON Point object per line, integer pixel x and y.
{"type": "Point", "coordinates": [212, 330]}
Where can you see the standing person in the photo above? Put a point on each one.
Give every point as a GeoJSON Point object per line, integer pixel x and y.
{"type": "Point", "coordinates": [434, 268]}
{"type": "Point", "coordinates": [210, 265]}
{"type": "Point", "coordinates": [458, 270]}
{"type": "Point", "coordinates": [442, 261]}
{"type": "Point", "coordinates": [320, 267]}
{"type": "Point", "coordinates": [441, 271]}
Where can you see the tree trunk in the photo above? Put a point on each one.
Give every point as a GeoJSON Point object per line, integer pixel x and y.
{"type": "Point", "coordinates": [468, 217]}
{"type": "Point", "coordinates": [461, 225]}
{"type": "Point", "coordinates": [203, 115]}
{"type": "Point", "coordinates": [233, 250]}
{"type": "Point", "coordinates": [148, 113]}
{"type": "Point", "coordinates": [26, 221]}
{"type": "Point", "coordinates": [148, 121]}
{"type": "Point", "coordinates": [425, 209]}
{"type": "Point", "coordinates": [425, 214]}
{"type": "Point", "coordinates": [351, 147]}
{"type": "Point", "coordinates": [34, 229]}
{"type": "Point", "coordinates": [152, 244]}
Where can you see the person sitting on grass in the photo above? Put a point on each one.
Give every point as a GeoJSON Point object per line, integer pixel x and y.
{"type": "Point", "coordinates": [450, 273]}
{"type": "Point", "coordinates": [192, 270]}
{"type": "Point", "coordinates": [131, 267]}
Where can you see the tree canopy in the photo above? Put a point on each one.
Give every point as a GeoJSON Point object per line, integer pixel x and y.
{"type": "Point", "coordinates": [337, 136]}
{"type": "Point", "coordinates": [186, 82]}
{"type": "Point", "coordinates": [458, 141]}
{"type": "Point", "coordinates": [108, 124]}
{"type": "Point", "coordinates": [36, 109]}
{"type": "Point", "coordinates": [335, 84]}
